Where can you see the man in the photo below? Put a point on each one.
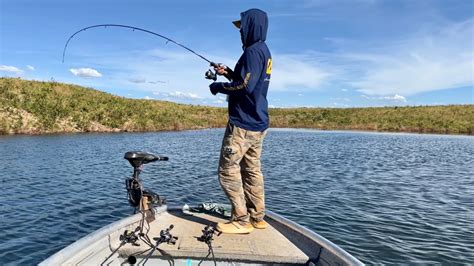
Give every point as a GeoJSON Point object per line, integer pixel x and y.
{"type": "Point", "coordinates": [239, 165]}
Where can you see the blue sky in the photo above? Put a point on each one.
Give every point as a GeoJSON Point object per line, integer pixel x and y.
{"type": "Point", "coordinates": [325, 53]}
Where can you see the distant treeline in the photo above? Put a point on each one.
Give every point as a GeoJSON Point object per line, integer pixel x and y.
{"type": "Point", "coordinates": [34, 107]}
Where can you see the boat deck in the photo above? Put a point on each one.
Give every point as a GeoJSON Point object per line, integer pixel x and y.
{"type": "Point", "coordinates": [268, 245]}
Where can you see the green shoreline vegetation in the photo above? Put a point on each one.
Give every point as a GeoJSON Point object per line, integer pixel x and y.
{"type": "Point", "coordinates": [36, 107]}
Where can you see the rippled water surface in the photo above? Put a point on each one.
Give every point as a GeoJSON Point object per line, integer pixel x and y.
{"type": "Point", "coordinates": [385, 198]}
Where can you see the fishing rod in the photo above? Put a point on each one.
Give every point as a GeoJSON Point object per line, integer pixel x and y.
{"type": "Point", "coordinates": [209, 74]}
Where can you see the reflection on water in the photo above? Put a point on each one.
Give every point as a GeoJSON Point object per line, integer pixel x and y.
{"type": "Point", "coordinates": [385, 198]}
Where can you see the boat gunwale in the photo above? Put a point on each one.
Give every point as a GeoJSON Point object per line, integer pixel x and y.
{"type": "Point", "coordinates": [62, 255]}
{"type": "Point", "coordinates": [322, 241]}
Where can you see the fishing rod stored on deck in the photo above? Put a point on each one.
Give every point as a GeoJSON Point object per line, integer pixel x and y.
{"type": "Point", "coordinates": [207, 237]}
{"type": "Point", "coordinates": [165, 237]}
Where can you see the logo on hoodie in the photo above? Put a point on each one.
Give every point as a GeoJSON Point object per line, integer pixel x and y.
{"type": "Point", "coordinates": [269, 66]}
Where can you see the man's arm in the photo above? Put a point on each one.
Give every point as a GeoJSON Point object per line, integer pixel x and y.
{"type": "Point", "coordinates": [245, 81]}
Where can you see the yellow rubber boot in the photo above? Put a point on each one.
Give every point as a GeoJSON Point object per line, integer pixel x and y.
{"type": "Point", "coordinates": [259, 224]}
{"type": "Point", "coordinates": [234, 228]}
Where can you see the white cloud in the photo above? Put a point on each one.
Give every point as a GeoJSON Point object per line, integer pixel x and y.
{"type": "Point", "coordinates": [296, 72]}
{"type": "Point", "coordinates": [10, 69]}
{"type": "Point", "coordinates": [336, 104]}
{"type": "Point", "coordinates": [30, 67]}
{"type": "Point", "coordinates": [144, 80]}
{"type": "Point", "coordinates": [395, 98]}
{"type": "Point", "coordinates": [178, 74]}
{"type": "Point", "coordinates": [341, 99]}
{"type": "Point", "coordinates": [137, 80]}
{"type": "Point", "coordinates": [180, 71]}
{"type": "Point", "coordinates": [441, 60]}
{"type": "Point", "coordinates": [85, 72]}
{"type": "Point", "coordinates": [189, 95]}
{"type": "Point", "coordinates": [390, 70]}
{"type": "Point", "coordinates": [157, 81]}
{"type": "Point", "coordinates": [178, 95]}
{"type": "Point", "coordinates": [147, 98]}
{"type": "Point", "coordinates": [218, 102]}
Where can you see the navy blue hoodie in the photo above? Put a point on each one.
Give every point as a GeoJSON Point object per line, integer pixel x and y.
{"type": "Point", "coordinates": [248, 106]}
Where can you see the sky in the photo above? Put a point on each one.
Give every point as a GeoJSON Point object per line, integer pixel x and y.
{"type": "Point", "coordinates": [332, 53]}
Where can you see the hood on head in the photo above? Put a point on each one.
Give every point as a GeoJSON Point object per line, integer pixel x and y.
{"type": "Point", "coordinates": [253, 26]}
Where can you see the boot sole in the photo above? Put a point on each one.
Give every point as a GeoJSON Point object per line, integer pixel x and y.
{"type": "Point", "coordinates": [236, 231]}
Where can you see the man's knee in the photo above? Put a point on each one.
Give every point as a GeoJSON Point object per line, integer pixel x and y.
{"type": "Point", "coordinates": [252, 168]}
{"type": "Point", "coordinates": [229, 171]}
{"type": "Point", "coordinates": [230, 178]}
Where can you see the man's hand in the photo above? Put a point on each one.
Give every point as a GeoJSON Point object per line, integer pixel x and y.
{"type": "Point", "coordinates": [221, 69]}
{"type": "Point", "coordinates": [214, 87]}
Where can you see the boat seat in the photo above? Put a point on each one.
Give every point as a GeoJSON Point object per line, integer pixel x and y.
{"type": "Point", "coordinates": [137, 158]}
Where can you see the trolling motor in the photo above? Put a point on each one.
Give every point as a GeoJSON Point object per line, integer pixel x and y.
{"type": "Point", "coordinates": [138, 197]}
{"type": "Point", "coordinates": [142, 200]}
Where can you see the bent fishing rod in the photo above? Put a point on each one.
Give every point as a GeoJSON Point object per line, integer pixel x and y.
{"type": "Point", "coordinates": [209, 74]}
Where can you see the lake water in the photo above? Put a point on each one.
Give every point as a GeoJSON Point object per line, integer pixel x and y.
{"type": "Point", "coordinates": [385, 198]}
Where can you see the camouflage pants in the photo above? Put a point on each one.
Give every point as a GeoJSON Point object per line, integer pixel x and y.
{"type": "Point", "coordinates": [240, 172]}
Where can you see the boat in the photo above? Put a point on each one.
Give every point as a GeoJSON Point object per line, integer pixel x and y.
{"type": "Point", "coordinates": [167, 235]}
